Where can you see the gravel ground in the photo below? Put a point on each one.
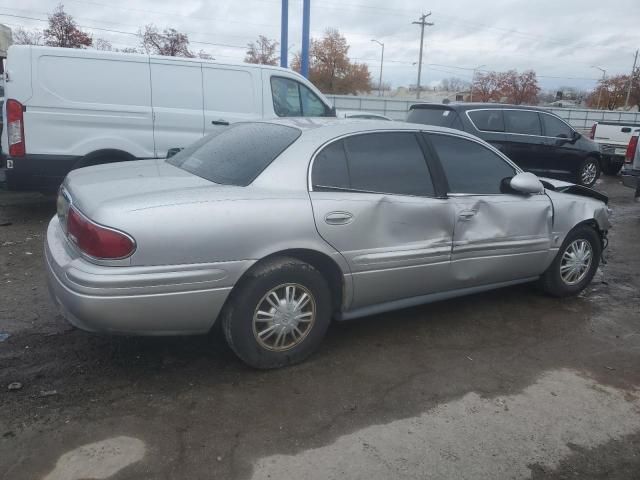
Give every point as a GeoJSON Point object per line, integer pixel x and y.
{"type": "Point", "coordinates": [507, 384]}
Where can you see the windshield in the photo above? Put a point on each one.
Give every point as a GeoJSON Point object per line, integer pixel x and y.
{"type": "Point", "coordinates": [237, 154]}
{"type": "Point", "coordinates": [440, 117]}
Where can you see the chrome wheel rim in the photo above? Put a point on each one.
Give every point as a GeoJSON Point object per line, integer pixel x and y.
{"type": "Point", "coordinates": [576, 261]}
{"type": "Point", "coordinates": [284, 317]}
{"type": "Point", "coordinates": [589, 173]}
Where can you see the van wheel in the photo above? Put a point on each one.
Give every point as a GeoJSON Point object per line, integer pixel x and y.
{"type": "Point", "coordinates": [278, 315]}
{"type": "Point", "coordinates": [575, 264]}
{"type": "Point", "coordinates": [588, 172]}
{"type": "Point", "coordinates": [100, 158]}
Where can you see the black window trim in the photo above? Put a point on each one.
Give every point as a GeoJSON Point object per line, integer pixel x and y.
{"type": "Point", "coordinates": [327, 108]}
{"type": "Point", "coordinates": [436, 183]}
{"type": "Point", "coordinates": [517, 110]}
{"type": "Point", "coordinates": [482, 144]}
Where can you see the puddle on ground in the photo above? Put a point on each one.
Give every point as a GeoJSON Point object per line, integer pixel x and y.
{"type": "Point", "coordinates": [474, 437]}
{"type": "Point", "coordinates": [98, 460]}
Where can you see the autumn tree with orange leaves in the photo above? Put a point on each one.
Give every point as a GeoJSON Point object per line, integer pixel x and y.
{"type": "Point", "coordinates": [330, 68]}
{"type": "Point", "coordinates": [509, 87]}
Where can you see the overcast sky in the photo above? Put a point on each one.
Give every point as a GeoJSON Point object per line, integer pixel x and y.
{"type": "Point", "coordinates": [560, 40]}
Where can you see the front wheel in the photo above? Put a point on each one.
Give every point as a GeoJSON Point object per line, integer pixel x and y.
{"type": "Point", "coordinates": [575, 264]}
{"type": "Point", "coordinates": [278, 315]}
{"type": "Point", "coordinates": [588, 172]}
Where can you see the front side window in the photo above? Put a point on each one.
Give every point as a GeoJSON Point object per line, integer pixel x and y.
{"type": "Point", "coordinates": [554, 127]}
{"type": "Point", "coordinates": [488, 120]}
{"type": "Point", "coordinates": [237, 154]}
{"type": "Point", "coordinates": [292, 99]}
{"type": "Point", "coordinates": [522, 121]}
{"type": "Point", "coordinates": [469, 166]}
{"type": "Point", "coordinates": [389, 162]}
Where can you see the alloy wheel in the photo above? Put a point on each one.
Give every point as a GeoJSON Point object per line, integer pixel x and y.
{"type": "Point", "coordinates": [284, 317]}
{"type": "Point", "coordinates": [576, 261]}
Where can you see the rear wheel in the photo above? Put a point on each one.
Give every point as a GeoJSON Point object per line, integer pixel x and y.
{"type": "Point", "coordinates": [278, 315]}
{"type": "Point", "coordinates": [575, 265]}
{"type": "Point", "coordinates": [588, 172]}
{"type": "Point", "coordinates": [611, 166]}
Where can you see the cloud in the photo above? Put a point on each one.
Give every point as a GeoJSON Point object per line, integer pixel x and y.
{"type": "Point", "coordinates": [556, 39]}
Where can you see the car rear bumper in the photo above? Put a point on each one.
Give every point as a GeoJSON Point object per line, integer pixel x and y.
{"type": "Point", "coordinates": [160, 300]}
{"type": "Point", "coordinates": [43, 173]}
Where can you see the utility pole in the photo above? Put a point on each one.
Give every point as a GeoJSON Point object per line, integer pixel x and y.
{"type": "Point", "coordinates": [604, 77]}
{"type": "Point", "coordinates": [423, 23]}
{"type": "Point", "coordinates": [633, 71]}
{"type": "Point", "coordinates": [473, 79]}
{"type": "Point", "coordinates": [381, 63]}
{"type": "Point", "coordinates": [284, 34]}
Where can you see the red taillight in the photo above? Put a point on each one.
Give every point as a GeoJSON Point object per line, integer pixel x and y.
{"type": "Point", "coordinates": [631, 149]}
{"type": "Point", "coordinates": [592, 133]}
{"type": "Point", "coordinates": [95, 240]}
{"type": "Point", "coordinates": [15, 128]}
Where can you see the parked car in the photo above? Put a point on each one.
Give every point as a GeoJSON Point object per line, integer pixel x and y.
{"type": "Point", "coordinates": [613, 138]}
{"type": "Point", "coordinates": [69, 108]}
{"type": "Point", "coordinates": [274, 228]}
{"type": "Point", "coordinates": [535, 139]}
{"type": "Point", "coordinates": [361, 115]}
{"type": "Point", "coordinates": [631, 167]}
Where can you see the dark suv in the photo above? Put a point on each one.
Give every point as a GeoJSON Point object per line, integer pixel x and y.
{"type": "Point", "coordinates": [538, 141]}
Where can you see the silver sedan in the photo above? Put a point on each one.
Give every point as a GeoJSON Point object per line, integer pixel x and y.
{"type": "Point", "coordinates": [275, 228]}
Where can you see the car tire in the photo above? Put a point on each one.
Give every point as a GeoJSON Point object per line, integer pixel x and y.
{"type": "Point", "coordinates": [557, 280]}
{"type": "Point", "coordinates": [589, 172]}
{"type": "Point", "coordinates": [267, 331]}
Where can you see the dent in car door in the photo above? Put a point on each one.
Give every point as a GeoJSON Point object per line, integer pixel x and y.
{"type": "Point", "coordinates": [396, 247]}
{"type": "Point", "coordinates": [500, 238]}
{"type": "Point", "coordinates": [397, 244]}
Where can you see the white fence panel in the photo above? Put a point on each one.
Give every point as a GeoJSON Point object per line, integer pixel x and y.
{"type": "Point", "coordinates": [580, 118]}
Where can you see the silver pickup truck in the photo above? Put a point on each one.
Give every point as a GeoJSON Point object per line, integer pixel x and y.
{"type": "Point", "coordinates": [631, 168]}
{"type": "Point", "coordinates": [613, 138]}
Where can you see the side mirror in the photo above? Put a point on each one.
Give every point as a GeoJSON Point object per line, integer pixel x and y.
{"type": "Point", "coordinates": [576, 135]}
{"type": "Point", "coordinates": [526, 182]}
{"type": "Point", "coordinates": [172, 151]}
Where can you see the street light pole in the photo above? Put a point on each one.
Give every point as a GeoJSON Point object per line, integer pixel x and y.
{"type": "Point", "coordinates": [381, 64]}
{"type": "Point", "coordinates": [604, 77]}
{"type": "Point", "coordinates": [473, 77]}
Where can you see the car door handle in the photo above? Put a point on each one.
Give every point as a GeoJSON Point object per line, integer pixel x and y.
{"type": "Point", "coordinates": [338, 218]}
{"type": "Point", "coordinates": [219, 122]}
{"type": "Point", "coordinates": [467, 214]}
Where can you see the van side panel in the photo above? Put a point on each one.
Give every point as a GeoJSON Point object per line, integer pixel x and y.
{"type": "Point", "coordinates": [83, 103]}
{"type": "Point", "coordinates": [178, 115]}
{"type": "Point", "coordinates": [231, 94]}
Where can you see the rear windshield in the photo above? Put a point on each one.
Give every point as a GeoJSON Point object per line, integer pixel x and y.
{"type": "Point", "coordinates": [440, 117]}
{"type": "Point", "coordinates": [237, 154]}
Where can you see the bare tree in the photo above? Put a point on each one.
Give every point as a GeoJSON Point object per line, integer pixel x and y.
{"type": "Point", "coordinates": [262, 51]}
{"type": "Point", "coordinates": [102, 44]}
{"type": "Point", "coordinates": [454, 84]}
{"type": "Point", "coordinates": [169, 42]}
{"type": "Point", "coordinates": [63, 31]}
{"type": "Point", "coordinates": [27, 37]}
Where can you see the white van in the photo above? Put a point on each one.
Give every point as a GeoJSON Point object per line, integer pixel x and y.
{"type": "Point", "coordinates": [69, 108]}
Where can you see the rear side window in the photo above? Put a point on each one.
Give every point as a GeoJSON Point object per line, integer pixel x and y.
{"type": "Point", "coordinates": [237, 154]}
{"type": "Point", "coordinates": [292, 99]}
{"type": "Point", "coordinates": [488, 120]}
{"type": "Point", "coordinates": [389, 162]}
{"type": "Point", "coordinates": [469, 166]}
{"type": "Point", "coordinates": [554, 127]}
{"type": "Point", "coordinates": [522, 121]}
{"type": "Point", "coordinates": [441, 117]}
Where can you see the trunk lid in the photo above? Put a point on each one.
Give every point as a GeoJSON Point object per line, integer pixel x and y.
{"type": "Point", "coordinates": [130, 186]}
